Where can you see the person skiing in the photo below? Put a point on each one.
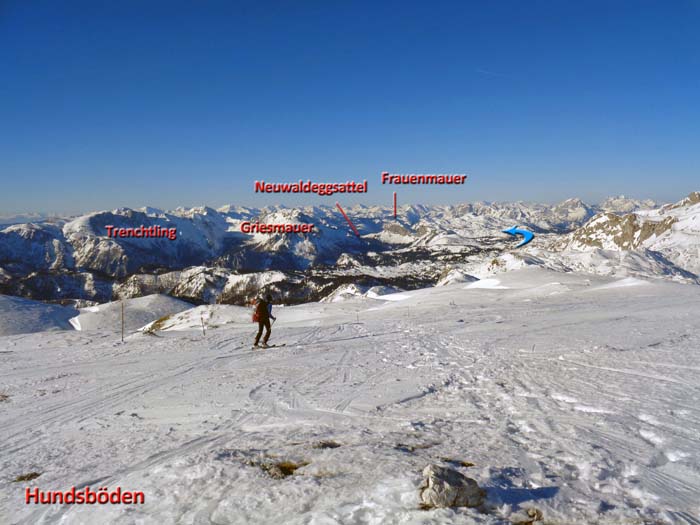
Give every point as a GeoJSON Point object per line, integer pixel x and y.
{"type": "Point", "coordinates": [263, 314]}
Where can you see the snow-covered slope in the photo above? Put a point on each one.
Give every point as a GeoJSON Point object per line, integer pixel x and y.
{"type": "Point", "coordinates": [35, 247]}
{"type": "Point", "coordinates": [137, 312]}
{"type": "Point", "coordinates": [200, 236]}
{"type": "Point", "coordinates": [206, 317]}
{"type": "Point", "coordinates": [642, 264]}
{"type": "Point", "coordinates": [673, 232]}
{"type": "Point", "coordinates": [351, 291]}
{"type": "Point", "coordinates": [23, 316]}
{"type": "Point", "coordinates": [576, 395]}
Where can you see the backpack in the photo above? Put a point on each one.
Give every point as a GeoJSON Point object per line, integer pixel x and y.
{"type": "Point", "coordinates": [254, 304]}
{"type": "Point", "coordinates": [256, 312]}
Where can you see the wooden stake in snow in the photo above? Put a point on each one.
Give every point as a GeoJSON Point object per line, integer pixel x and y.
{"type": "Point", "coordinates": [122, 320]}
{"type": "Point", "coordinates": [204, 333]}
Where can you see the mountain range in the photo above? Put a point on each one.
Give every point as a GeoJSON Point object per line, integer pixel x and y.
{"type": "Point", "coordinates": [72, 260]}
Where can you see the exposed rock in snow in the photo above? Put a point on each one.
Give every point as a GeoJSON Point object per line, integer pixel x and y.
{"type": "Point", "coordinates": [445, 487]}
{"type": "Point", "coordinates": [627, 232]}
{"type": "Point", "coordinates": [5, 277]}
{"type": "Point", "coordinates": [200, 284]}
{"type": "Point", "coordinates": [671, 233]}
{"type": "Point", "coordinates": [248, 286]}
{"type": "Point", "coordinates": [526, 517]}
{"type": "Point", "coordinates": [65, 286]}
{"type": "Point", "coordinates": [692, 199]}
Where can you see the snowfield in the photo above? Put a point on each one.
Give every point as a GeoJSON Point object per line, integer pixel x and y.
{"type": "Point", "coordinates": [575, 394]}
{"type": "Point", "coordinates": [137, 312]}
{"type": "Point", "coordinates": [22, 316]}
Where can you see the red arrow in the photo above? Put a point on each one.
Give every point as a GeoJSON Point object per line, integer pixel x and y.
{"type": "Point", "coordinates": [347, 219]}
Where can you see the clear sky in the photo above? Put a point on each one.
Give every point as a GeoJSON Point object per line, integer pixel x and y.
{"type": "Point", "coordinates": [167, 103]}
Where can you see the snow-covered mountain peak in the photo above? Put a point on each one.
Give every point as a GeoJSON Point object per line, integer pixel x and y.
{"type": "Point", "coordinates": [669, 235]}
{"type": "Point", "coordinates": [153, 212]}
{"type": "Point", "coordinates": [414, 249]}
{"type": "Point", "coordinates": [691, 199]}
{"type": "Point", "coordinates": [624, 204]}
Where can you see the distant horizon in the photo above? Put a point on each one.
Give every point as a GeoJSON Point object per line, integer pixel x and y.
{"type": "Point", "coordinates": [63, 214]}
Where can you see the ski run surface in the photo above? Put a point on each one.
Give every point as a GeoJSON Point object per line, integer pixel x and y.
{"type": "Point", "coordinates": [574, 394]}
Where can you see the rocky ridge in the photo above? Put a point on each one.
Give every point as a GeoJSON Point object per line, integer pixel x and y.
{"type": "Point", "coordinates": [69, 260]}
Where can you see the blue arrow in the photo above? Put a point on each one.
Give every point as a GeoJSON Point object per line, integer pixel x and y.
{"type": "Point", "coordinates": [527, 236]}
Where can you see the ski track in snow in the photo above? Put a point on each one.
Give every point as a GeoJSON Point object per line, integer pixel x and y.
{"type": "Point", "coordinates": [584, 405]}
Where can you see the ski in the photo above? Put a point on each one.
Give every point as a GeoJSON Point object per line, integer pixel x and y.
{"type": "Point", "coordinates": [268, 346]}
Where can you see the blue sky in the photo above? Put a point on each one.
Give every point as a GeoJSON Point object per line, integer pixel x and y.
{"type": "Point", "coordinates": [132, 103]}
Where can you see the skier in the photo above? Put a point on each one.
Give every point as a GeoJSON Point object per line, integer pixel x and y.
{"type": "Point", "coordinates": [263, 314]}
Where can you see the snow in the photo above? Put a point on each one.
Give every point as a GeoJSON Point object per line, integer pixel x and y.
{"type": "Point", "coordinates": [454, 276]}
{"type": "Point", "coordinates": [137, 312]}
{"type": "Point", "coordinates": [583, 405]}
{"type": "Point", "coordinates": [211, 315]}
{"type": "Point", "coordinates": [388, 293]}
{"type": "Point", "coordinates": [627, 281]}
{"type": "Point", "coordinates": [212, 260]}
{"type": "Point", "coordinates": [672, 238]}
{"type": "Point", "coordinates": [354, 291]}
{"type": "Point", "coordinates": [24, 316]}
{"type": "Point", "coordinates": [493, 284]}
{"type": "Point", "coordinates": [395, 297]}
